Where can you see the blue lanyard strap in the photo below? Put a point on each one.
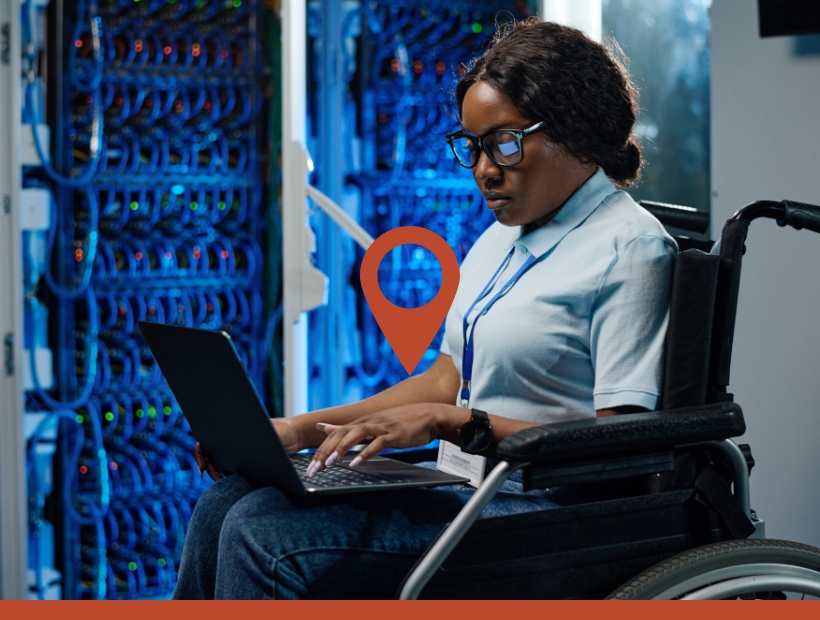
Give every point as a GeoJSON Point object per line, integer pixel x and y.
{"type": "Point", "coordinates": [467, 357]}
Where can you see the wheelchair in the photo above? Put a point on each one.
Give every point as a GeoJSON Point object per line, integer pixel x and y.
{"type": "Point", "coordinates": [664, 509]}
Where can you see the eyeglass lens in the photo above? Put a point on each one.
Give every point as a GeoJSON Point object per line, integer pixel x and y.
{"type": "Point", "coordinates": [502, 145]}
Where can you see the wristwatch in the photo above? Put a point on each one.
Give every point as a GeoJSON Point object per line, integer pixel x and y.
{"type": "Point", "coordinates": [476, 435]}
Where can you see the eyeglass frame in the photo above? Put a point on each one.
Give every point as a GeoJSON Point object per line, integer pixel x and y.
{"type": "Point", "coordinates": [519, 135]}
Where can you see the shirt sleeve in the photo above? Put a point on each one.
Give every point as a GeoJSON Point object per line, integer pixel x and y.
{"type": "Point", "coordinates": [628, 324]}
{"type": "Point", "coordinates": [445, 346]}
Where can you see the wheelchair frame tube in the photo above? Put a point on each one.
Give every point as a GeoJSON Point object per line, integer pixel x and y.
{"type": "Point", "coordinates": [741, 469]}
{"type": "Point", "coordinates": [454, 532]}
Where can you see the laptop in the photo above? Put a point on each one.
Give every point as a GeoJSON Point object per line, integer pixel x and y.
{"type": "Point", "coordinates": [226, 415]}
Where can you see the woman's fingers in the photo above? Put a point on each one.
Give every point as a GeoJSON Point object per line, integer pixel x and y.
{"type": "Point", "coordinates": [332, 448]}
{"type": "Point", "coordinates": [376, 446]}
{"type": "Point", "coordinates": [327, 428]}
{"type": "Point", "coordinates": [204, 464]}
{"type": "Point", "coordinates": [199, 457]}
{"type": "Point", "coordinates": [338, 443]}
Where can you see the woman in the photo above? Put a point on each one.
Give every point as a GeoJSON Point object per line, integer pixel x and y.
{"type": "Point", "coordinates": [571, 287]}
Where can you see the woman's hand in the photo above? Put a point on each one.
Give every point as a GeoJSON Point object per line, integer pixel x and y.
{"type": "Point", "coordinates": [288, 434]}
{"type": "Point", "coordinates": [401, 427]}
{"type": "Point", "coordinates": [204, 464]}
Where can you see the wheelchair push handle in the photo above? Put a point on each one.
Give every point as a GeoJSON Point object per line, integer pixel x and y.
{"type": "Point", "coordinates": [800, 215]}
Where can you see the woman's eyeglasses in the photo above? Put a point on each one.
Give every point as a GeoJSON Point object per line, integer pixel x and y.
{"type": "Point", "coordinates": [503, 146]}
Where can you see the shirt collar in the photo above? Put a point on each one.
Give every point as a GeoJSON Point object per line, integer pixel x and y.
{"type": "Point", "coordinates": [575, 211]}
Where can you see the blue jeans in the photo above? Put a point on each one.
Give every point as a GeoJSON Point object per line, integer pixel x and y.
{"type": "Point", "coordinates": [251, 542]}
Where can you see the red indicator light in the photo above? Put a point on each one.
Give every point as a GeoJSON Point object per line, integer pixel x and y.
{"type": "Point", "coordinates": [83, 470]}
{"type": "Point", "coordinates": [78, 44]}
{"type": "Point", "coordinates": [138, 255]}
{"type": "Point", "coordinates": [224, 254]}
{"type": "Point", "coordinates": [167, 49]}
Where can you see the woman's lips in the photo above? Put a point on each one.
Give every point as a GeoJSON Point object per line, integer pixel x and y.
{"type": "Point", "coordinates": [497, 201]}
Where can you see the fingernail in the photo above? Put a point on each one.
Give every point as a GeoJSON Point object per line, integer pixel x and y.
{"type": "Point", "coordinates": [310, 468]}
{"type": "Point", "coordinates": [315, 468]}
{"type": "Point", "coordinates": [320, 426]}
{"type": "Point", "coordinates": [331, 459]}
{"type": "Point", "coordinates": [355, 462]}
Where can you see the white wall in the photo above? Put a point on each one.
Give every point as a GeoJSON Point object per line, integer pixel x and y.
{"type": "Point", "coordinates": [766, 144]}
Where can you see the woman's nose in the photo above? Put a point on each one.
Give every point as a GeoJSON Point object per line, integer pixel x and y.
{"type": "Point", "coordinates": [486, 168]}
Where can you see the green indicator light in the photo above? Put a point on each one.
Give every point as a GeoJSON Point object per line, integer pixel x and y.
{"type": "Point", "coordinates": [140, 413]}
{"type": "Point", "coordinates": [152, 412]}
{"type": "Point", "coordinates": [194, 205]}
{"type": "Point", "coordinates": [161, 562]}
{"type": "Point", "coordinates": [165, 204]}
{"type": "Point", "coordinates": [237, 3]}
{"type": "Point", "coordinates": [221, 205]}
{"type": "Point", "coordinates": [109, 416]}
{"type": "Point", "coordinates": [477, 28]}
{"type": "Point", "coordinates": [132, 566]}
{"type": "Point", "coordinates": [134, 205]}
{"type": "Point", "coordinates": [79, 418]}
{"type": "Point", "coordinates": [166, 410]}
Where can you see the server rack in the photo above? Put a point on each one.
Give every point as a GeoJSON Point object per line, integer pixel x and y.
{"type": "Point", "coordinates": [156, 120]}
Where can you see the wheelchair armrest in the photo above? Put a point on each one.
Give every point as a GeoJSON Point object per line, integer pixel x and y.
{"type": "Point", "coordinates": [633, 432]}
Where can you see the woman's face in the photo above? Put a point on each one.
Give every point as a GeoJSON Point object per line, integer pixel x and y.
{"type": "Point", "coordinates": [533, 191]}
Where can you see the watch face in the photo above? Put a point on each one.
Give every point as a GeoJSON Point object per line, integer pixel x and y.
{"type": "Point", "coordinates": [475, 436]}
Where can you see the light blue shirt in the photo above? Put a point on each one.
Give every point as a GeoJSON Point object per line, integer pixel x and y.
{"type": "Point", "coordinates": [584, 328]}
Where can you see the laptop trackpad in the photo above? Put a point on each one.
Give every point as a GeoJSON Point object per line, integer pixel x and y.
{"type": "Point", "coordinates": [395, 468]}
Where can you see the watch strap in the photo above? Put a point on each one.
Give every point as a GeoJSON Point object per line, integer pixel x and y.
{"type": "Point", "coordinates": [482, 416]}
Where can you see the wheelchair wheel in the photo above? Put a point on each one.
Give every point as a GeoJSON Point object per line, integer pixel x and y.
{"type": "Point", "coordinates": [731, 569]}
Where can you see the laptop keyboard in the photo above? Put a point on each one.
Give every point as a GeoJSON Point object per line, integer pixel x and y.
{"type": "Point", "coordinates": [337, 476]}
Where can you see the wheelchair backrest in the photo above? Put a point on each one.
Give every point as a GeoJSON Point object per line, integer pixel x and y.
{"type": "Point", "coordinates": [689, 335]}
{"type": "Point", "coordinates": [689, 338]}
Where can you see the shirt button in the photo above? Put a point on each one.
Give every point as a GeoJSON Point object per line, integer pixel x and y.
{"type": "Point", "coordinates": [522, 248]}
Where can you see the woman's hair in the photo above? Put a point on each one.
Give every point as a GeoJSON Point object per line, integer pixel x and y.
{"type": "Point", "coordinates": [580, 89]}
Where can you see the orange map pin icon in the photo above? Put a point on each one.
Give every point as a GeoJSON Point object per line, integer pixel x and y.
{"type": "Point", "coordinates": [409, 330]}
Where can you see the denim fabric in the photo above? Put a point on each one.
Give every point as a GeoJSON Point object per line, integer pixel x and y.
{"type": "Point", "coordinates": [247, 542]}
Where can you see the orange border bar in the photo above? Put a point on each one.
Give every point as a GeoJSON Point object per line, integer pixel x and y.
{"type": "Point", "coordinates": [408, 610]}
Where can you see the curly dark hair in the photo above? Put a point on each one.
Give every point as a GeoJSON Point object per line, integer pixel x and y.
{"type": "Point", "coordinates": [581, 89]}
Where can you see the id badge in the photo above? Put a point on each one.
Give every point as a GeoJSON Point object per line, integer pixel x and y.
{"type": "Point", "coordinates": [452, 460]}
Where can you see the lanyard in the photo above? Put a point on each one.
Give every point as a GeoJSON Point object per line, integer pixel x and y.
{"type": "Point", "coordinates": [467, 357]}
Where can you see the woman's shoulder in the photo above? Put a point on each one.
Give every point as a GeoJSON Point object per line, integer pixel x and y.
{"type": "Point", "coordinates": [624, 221]}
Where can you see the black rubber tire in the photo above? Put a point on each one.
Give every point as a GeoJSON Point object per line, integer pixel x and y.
{"type": "Point", "coordinates": [688, 564]}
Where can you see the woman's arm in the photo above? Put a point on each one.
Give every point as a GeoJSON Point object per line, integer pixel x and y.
{"type": "Point", "coordinates": [409, 426]}
{"type": "Point", "coordinates": [438, 384]}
